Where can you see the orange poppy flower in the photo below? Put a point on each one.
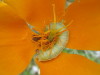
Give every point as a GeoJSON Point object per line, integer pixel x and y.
{"type": "Point", "coordinates": [18, 45]}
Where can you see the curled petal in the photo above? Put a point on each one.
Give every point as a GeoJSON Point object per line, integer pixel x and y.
{"type": "Point", "coordinates": [85, 28]}
{"type": "Point", "coordinates": [16, 47]}
{"type": "Point", "coordinates": [69, 64]}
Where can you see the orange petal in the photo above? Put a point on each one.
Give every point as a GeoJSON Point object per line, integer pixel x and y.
{"type": "Point", "coordinates": [85, 29]}
{"type": "Point", "coordinates": [16, 47]}
{"type": "Point", "coordinates": [69, 64]}
{"type": "Point", "coordinates": [38, 12]}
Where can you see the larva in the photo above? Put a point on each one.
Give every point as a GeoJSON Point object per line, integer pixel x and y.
{"type": "Point", "coordinates": [58, 46]}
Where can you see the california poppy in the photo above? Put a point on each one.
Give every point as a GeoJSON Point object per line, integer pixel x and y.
{"type": "Point", "coordinates": [18, 45]}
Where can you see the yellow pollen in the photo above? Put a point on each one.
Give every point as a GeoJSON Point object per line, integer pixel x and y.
{"type": "Point", "coordinates": [43, 41]}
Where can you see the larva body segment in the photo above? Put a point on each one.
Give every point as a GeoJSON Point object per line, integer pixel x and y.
{"type": "Point", "coordinates": [58, 46]}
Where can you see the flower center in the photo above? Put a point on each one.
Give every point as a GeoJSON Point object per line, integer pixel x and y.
{"type": "Point", "coordinates": [51, 42]}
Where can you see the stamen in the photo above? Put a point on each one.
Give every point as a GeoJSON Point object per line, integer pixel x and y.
{"type": "Point", "coordinates": [53, 29]}
{"type": "Point", "coordinates": [69, 23]}
{"type": "Point", "coordinates": [64, 27]}
{"type": "Point", "coordinates": [54, 14]}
